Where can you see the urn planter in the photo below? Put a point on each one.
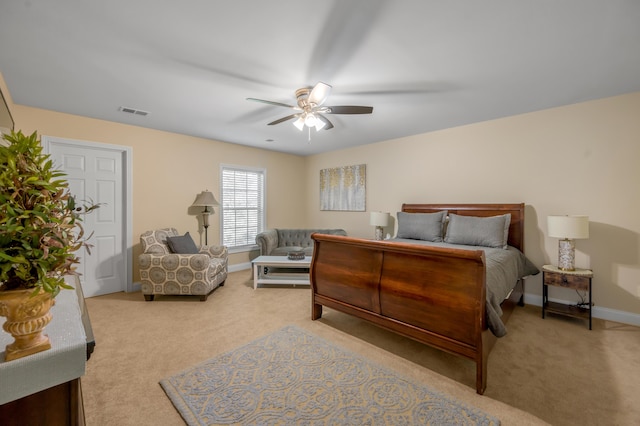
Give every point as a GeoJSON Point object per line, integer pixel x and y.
{"type": "Point", "coordinates": [27, 314]}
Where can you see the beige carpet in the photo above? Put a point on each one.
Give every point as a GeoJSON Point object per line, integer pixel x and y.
{"type": "Point", "coordinates": [544, 371]}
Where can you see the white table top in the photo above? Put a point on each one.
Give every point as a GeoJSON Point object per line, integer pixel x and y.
{"type": "Point", "coordinates": [281, 260]}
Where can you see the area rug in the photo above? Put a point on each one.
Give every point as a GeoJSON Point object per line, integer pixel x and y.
{"type": "Point", "coordinates": [294, 377]}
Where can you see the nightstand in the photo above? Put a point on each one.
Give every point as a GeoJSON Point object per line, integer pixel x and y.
{"type": "Point", "coordinates": [579, 279]}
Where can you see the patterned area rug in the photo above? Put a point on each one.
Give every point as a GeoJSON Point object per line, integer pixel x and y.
{"type": "Point", "coordinates": [294, 377]}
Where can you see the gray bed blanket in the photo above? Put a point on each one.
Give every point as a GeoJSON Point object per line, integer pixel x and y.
{"type": "Point", "coordinates": [504, 267]}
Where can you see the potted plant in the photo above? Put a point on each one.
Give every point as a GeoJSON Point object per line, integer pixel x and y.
{"type": "Point", "coordinates": [40, 232]}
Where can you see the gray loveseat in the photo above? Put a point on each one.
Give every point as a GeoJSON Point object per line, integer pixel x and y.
{"type": "Point", "coordinates": [279, 242]}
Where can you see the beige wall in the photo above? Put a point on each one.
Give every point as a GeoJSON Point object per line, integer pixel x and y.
{"type": "Point", "coordinates": [578, 159]}
{"type": "Point", "coordinates": [169, 170]}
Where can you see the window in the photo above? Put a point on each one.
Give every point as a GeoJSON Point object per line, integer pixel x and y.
{"type": "Point", "coordinates": [243, 214]}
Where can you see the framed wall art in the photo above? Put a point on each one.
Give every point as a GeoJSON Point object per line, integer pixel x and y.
{"type": "Point", "coordinates": [343, 188]}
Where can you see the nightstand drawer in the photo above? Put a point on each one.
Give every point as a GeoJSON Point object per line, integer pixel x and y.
{"type": "Point", "coordinates": [569, 281]}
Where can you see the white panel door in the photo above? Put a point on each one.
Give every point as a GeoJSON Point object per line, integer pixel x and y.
{"type": "Point", "coordinates": [95, 175]}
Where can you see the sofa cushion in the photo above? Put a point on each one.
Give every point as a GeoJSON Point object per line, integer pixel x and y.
{"type": "Point", "coordinates": [182, 244]}
{"type": "Point", "coordinates": [294, 239]}
{"type": "Point", "coordinates": [283, 251]}
{"type": "Point", "coordinates": [302, 237]}
{"type": "Point", "coordinates": [279, 241]}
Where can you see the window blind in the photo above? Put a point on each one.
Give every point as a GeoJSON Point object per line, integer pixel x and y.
{"type": "Point", "coordinates": [242, 205]}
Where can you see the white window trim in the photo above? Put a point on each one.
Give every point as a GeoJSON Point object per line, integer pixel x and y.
{"type": "Point", "coordinates": [251, 247]}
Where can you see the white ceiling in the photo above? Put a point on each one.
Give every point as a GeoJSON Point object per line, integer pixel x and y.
{"type": "Point", "coordinates": [423, 65]}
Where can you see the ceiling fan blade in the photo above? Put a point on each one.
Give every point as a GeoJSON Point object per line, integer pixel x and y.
{"type": "Point", "coordinates": [319, 93]}
{"type": "Point", "coordinates": [346, 109]}
{"type": "Point", "coordinates": [271, 103]}
{"type": "Point", "coordinates": [280, 120]}
{"type": "Point", "coordinates": [346, 28]}
{"type": "Point", "coordinates": [327, 124]}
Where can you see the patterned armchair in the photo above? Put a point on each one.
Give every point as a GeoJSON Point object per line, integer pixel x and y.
{"type": "Point", "coordinates": [164, 272]}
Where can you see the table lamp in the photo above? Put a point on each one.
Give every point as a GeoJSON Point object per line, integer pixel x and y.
{"type": "Point", "coordinates": [207, 200]}
{"type": "Point", "coordinates": [379, 220]}
{"type": "Point", "coordinates": [567, 228]}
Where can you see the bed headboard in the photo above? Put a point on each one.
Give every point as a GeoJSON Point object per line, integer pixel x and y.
{"type": "Point", "coordinates": [516, 228]}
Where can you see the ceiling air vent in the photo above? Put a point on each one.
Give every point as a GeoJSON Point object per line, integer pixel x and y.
{"type": "Point", "coordinates": [133, 111]}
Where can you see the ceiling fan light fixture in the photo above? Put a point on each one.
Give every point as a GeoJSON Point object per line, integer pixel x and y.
{"type": "Point", "coordinates": [299, 123]}
{"type": "Point", "coordinates": [310, 120]}
{"type": "Point", "coordinates": [310, 109]}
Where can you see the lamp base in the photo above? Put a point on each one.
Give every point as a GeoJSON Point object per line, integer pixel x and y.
{"type": "Point", "coordinates": [205, 224]}
{"type": "Point", "coordinates": [379, 233]}
{"type": "Point", "coordinates": [566, 255]}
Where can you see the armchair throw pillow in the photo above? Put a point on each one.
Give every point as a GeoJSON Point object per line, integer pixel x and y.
{"type": "Point", "coordinates": [182, 244]}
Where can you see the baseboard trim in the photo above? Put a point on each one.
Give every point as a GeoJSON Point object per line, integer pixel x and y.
{"type": "Point", "coordinates": [597, 312]}
{"type": "Point", "coordinates": [239, 267]}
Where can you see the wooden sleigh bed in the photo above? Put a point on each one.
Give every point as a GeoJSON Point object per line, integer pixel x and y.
{"type": "Point", "coordinates": [435, 295]}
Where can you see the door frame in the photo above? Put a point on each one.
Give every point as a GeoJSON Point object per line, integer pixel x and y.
{"type": "Point", "coordinates": [127, 209]}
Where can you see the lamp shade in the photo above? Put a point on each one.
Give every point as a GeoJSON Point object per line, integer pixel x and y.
{"type": "Point", "coordinates": [205, 199]}
{"type": "Point", "coordinates": [379, 219]}
{"type": "Point", "coordinates": [571, 227]}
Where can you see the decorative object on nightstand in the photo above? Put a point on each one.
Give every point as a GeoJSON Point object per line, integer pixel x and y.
{"type": "Point", "coordinates": [577, 279]}
{"type": "Point", "coordinates": [207, 200]}
{"type": "Point", "coordinates": [379, 220]}
{"type": "Point", "coordinates": [567, 228]}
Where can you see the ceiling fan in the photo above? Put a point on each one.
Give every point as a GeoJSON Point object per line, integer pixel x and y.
{"type": "Point", "coordinates": [311, 108]}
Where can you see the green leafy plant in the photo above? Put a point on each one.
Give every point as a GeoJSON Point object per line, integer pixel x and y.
{"type": "Point", "coordinates": [40, 222]}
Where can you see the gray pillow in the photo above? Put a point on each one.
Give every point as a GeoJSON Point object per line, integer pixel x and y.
{"type": "Point", "coordinates": [182, 244]}
{"type": "Point", "coordinates": [421, 226]}
{"type": "Point", "coordinates": [492, 231]}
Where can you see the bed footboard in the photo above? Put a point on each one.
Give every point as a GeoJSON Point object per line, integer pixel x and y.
{"type": "Point", "coordinates": [434, 295]}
